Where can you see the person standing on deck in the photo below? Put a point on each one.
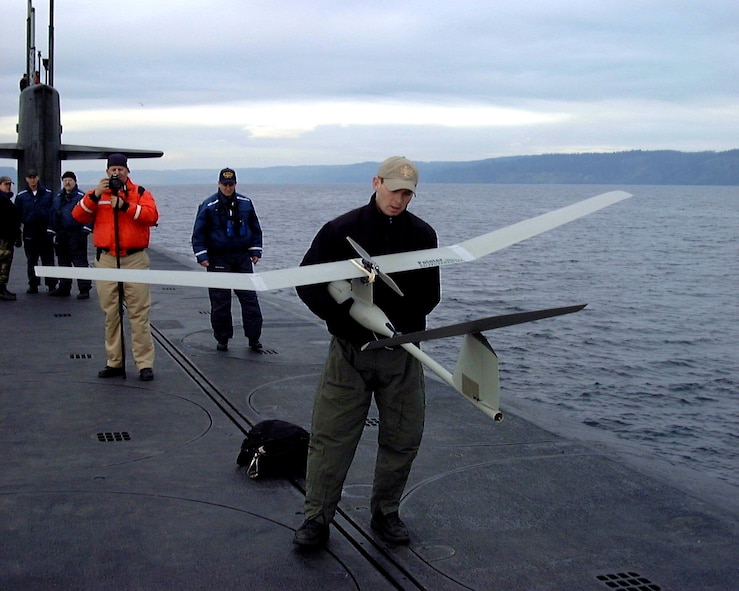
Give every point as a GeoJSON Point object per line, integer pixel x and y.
{"type": "Point", "coordinates": [10, 228]}
{"type": "Point", "coordinates": [70, 237]}
{"type": "Point", "coordinates": [352, 377]}
{"type": "Point", "coordinates": [34, 206]}
{"type": "Point", "coordinates": [227, 237]}
{"type": "Point", "coordinates": [123, 214]}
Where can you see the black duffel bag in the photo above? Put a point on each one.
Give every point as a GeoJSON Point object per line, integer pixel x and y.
{"type": "Point", "coordinates": [274, 448]}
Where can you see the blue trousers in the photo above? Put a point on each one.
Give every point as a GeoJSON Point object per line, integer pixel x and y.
{"type": "Point", "coordinates": [71, 250]}
{"type": "Point", "coordinates": [220, 300]}
{"type": "Point", "coordinates": [38, 245]}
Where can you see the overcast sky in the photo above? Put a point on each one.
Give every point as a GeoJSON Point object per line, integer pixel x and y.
{"type": "Point", "coordinates": [247, 83]}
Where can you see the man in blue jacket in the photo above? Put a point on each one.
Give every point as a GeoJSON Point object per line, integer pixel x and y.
{"type": "Point", "coordinates": [70, 237]}
{"type": "Point", "coordinates": [227, 237]}
{"type": "Point", "coordinates": [34, 207]}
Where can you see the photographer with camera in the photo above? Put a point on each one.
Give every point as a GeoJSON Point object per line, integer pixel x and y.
{"type": "Point", "coordinates": [122, 213]}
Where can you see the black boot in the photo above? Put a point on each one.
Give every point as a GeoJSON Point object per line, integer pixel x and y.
{"type": "Point", "coordinates": [5, 295]}
{"type": "Point", "coordinates": [60, 292]}
{"type": "Point", "coordinates": [312, 534]}
{"type": "Point", "coordinates": [390, 527]}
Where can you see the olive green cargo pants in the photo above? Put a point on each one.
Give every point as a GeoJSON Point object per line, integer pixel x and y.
{"type": "Point", "coordinates": [350, 377]}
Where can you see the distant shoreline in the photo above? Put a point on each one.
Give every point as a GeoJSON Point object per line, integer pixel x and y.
{"type": "Point", "coordinates": [636, 167]}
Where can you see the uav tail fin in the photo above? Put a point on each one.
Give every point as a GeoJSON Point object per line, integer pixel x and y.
{"type": "Point", "coordinates": [476, 375]}
{"type": "Point", "coordinates": [476, 372]}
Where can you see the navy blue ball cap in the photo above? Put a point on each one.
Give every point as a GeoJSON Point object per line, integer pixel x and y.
{"type": "Point", "coordinates": [226, 176]}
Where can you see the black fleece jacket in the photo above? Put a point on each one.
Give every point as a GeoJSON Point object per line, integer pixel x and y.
{"type": "Point", "coordinates": [378, 234]}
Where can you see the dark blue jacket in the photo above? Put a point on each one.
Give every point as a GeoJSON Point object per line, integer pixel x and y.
{"type": "Point", "coordinates": [224, 226]}
{"type": "Point", "coordinates": [61, 220]}
{"type": "Point", "coordinates": [34, 210]}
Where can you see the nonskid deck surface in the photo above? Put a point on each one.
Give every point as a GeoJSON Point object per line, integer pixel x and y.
{"type": "Point", "coordinates": [122, 484]}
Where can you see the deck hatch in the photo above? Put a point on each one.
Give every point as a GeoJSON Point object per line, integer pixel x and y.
{"type": "Point", "coordinates": [114, 436]}
{"type": "Point", "coordinates": [266, 351]}
{"type": "Point", "coordinates": [628, 581]}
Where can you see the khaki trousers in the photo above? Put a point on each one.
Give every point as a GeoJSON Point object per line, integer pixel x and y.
{"type": "Point", "coordinates": [349, 380]}
{"type": "Point", "coordinates": [137, 300]}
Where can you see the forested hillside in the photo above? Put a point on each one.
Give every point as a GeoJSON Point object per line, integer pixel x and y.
{"type": "Point", "coordinates": [637, 167]}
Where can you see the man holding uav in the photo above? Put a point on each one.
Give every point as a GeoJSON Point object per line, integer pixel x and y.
{"type": "Point", "coordinates": [352, 377]}
{"type": "Point", "coordinates": [123, 214]}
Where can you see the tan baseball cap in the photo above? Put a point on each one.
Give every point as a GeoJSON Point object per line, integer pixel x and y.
{"type": "Point", "coordinates": [398, 173]}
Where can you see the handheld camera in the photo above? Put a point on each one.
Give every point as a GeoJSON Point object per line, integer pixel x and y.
{"type": "Point", "coordinates": [115, 184]}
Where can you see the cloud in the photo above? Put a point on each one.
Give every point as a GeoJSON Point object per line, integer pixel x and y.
{"type": "Point", "coordinates": [293, 119]}
{"type": "Point", "coordinates": [264, 83]}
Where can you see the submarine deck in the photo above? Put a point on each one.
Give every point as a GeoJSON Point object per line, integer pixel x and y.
{"type": "Point", "coordinates": [120, 484]}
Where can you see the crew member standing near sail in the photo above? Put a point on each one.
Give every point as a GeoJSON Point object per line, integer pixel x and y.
{"type": "Point", "coordinates": [70, 237]}
{"type": "Point", "coordinates": [122, 213]}
{"type": "Point", "coordinates": [10, 226]}
{"type": "Point", "coordinates": [227, 237]}
{"type": "Point", "coordinates": [351, 376]}
{"type": "Point", "coordinates": [34, 206]}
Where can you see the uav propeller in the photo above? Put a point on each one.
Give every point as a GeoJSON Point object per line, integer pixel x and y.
{"type": "Point", "coordinates": [371, 267]}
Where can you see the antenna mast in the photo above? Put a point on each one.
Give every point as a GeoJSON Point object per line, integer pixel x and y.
{"type": "Point", "coordinates": [50, 61]}
{"type": "Point", "coordinates": [30, 42]}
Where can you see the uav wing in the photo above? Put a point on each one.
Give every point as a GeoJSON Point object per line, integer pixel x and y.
{"type": "Point", "coordinates": [326, 272]}
{"type": "Point", "coordinates": [269, 280]}
{"type": "Point", "coordinates": [491, 242]}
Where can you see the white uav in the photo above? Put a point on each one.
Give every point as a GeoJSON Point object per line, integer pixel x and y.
{"type": "Point", "coordinates": [475, 375]}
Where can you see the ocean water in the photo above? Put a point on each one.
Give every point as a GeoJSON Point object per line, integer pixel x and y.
{"type": "Point", "coordinates": [653, 359]}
